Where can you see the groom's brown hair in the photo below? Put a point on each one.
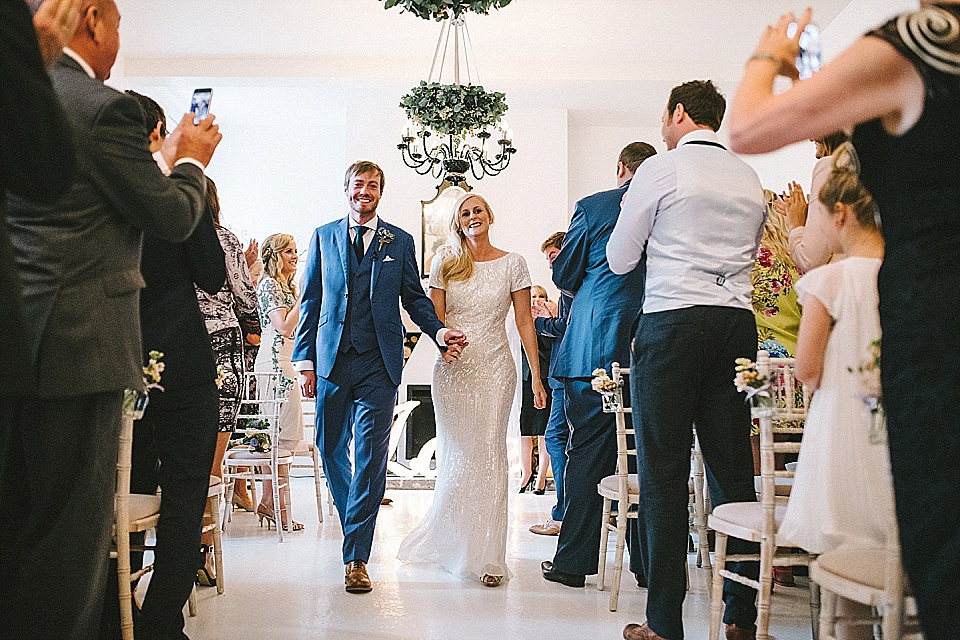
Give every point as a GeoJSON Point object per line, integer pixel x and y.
{"type": "Point", "coordinates": [363, 166]}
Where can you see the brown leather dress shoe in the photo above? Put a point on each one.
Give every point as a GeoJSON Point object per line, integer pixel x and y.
{"type": "Point", "coordinates": [639, 632]}
{"type": "Point", "coordinates": [737, 633]}
{"type": "Point", "coordinates": [356, 578]}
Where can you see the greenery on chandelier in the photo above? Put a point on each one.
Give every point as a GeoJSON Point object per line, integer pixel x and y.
{"type": "Point", "coordinates": [453, 108]}
{"type": "Point", "coordinates": [440, 10]}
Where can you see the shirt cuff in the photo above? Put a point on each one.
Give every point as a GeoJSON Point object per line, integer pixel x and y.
{"type": "Point", "coordinates": [192, 161]}
{"type": "Point", "coordinates": [304, 365]}
{"type": "Point", "coordinates": [440, 335]}
{"type": "Point", "coordinates": [164, 167]}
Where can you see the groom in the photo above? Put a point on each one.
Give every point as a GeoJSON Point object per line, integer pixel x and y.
{"type": "Point", "coordinates": [349, 351]}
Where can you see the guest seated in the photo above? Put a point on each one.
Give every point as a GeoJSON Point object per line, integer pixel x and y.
{"type": "Point", "coordinates": [278, 304]}
{"type": "Point", "coordinates": [842, 494]}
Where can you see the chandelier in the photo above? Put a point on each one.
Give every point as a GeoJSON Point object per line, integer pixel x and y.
{"type": "Point", "coordinates": [455, 128]}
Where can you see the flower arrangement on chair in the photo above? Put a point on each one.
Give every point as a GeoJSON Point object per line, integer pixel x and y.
{"type": "Point", "coordinates": [757, 387]}
{"type": "Point", "coordinates": [135, 400]}
{"type": "Point", "coordinates": [609, 389]}
{"type": "Point", "coordinates": [871, 392]}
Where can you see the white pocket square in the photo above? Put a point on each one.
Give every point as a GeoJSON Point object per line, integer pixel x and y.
{"type": "Point", "coordinates": [388, 259]}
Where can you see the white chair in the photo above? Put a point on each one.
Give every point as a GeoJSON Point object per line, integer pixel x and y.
{"type": "Point", "coordinates": [759, 521]}
{"type": "Point", "coordinates": [400, 415]}
{"type": "Point", "coordinates": [872, 576]}
{"type": "Point", "coordinates": [212, 511]}
{"type": "Point", "coordinates": [242, 463]}
{"type": "Point", "coordinates": [623, 488]}
{"type": "Point", "coordinates": [700, 503]}
{"type": "Point", "coordinates": [309, 408]}
{"type": "Point", "coordinates": [133, 513]}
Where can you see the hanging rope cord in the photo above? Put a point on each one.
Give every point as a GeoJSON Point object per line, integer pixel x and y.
{"type": "Point", "coordinates": [454, 27]}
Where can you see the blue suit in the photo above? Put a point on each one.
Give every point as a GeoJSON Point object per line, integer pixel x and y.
{"type": "Point", "coordinates": [558, 432]}
{"type": "Point", "coordinates": [604, 308]}
{"type": "Point", "coordinates": [350, 328]}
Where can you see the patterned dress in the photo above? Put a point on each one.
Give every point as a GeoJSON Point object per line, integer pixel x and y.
{"type": "Point", "coordinates": [220, 315]}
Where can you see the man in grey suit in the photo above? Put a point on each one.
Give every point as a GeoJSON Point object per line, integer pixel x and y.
{"type": "Point", "coordinates": [78, 262]}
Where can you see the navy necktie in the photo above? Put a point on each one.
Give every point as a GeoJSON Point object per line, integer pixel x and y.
{"type": "Point", "coordinates": [358, 241]}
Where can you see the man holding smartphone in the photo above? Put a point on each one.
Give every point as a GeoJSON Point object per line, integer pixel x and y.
{"type": "Point", "coordinates": [78, 261]}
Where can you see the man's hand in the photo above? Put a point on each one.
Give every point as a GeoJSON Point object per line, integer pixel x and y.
{"type": "Point", "coordinates": [308, 383]}
{"type": "Point", "coordinates": [250, 253]}
{"type": "Point", "coordinates": [455, 337]}
{"type": "Point", "coordinates": [197, 141]}
{"type": "Point", "coordinates": [55, 23]}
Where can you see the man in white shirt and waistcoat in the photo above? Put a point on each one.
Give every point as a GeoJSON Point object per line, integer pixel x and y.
{"type": "Point", "coordinates": [696, 213]}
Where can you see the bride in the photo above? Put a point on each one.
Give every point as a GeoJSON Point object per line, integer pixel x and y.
{"type": "Point", "coordinates": [472, 285]}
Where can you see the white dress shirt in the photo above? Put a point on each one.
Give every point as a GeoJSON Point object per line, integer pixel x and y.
{"type": "Point", "coordinates": [698, 213]}
{"type": "Point", "coordinates": [368, 236]}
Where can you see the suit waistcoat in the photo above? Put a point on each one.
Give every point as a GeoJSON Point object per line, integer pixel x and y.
{"type": "Point", "coordinates": [359, 331]}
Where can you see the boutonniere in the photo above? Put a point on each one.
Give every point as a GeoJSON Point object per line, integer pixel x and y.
{"type": "Point", "coordinates": [384, 236]}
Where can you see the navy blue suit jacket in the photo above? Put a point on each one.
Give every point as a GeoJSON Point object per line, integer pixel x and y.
{"type": "Point", "coordinates": [323, 306]}
{"type": "Point", "coordinates": [605, 305]}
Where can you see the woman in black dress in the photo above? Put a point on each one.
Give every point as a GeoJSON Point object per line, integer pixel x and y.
{"type": "Point", "coordinates": [899, 86]}
{"type": "Point", "coordinates": [533, 421]}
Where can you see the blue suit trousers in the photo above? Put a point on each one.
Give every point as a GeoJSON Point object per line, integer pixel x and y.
{"type": "Point", "coordinates": [355, 404]}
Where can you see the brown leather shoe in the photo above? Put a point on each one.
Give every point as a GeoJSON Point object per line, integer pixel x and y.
{"type": "Point", "coordinates": [356, 579]}
{"type": "Point", "coordinates": [738, 633]}
{"type": "Point", "coordinates": [639, 632]}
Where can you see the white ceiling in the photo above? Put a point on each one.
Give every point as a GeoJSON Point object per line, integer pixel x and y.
{"type": "Point", "coordinates": [600, 58]}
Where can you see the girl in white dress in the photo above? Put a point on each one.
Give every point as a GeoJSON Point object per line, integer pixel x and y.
{"type": "Point", "coordinates": [472, 285]}
{"type": "Point", "coordinates": [843, 491]}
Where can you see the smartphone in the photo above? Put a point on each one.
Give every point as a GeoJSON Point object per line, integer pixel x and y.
{"type": "Point", "coordinates": [809, 58]}
{"type": "Point", "coordinates": [200, 104]}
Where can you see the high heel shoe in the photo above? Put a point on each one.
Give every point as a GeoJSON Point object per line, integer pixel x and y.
{"type": "Point", "coordinates": [528, 484]}
{"type": "Point", "coordinates": [539, 492]}
{"type": "Point", "coordinates": [266, 514]}
{"type": "Point", "coordinates": [204, 578]}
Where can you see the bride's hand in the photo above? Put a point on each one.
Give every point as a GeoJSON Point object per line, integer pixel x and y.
{"type": "Point", "coordinates": [539, 395]}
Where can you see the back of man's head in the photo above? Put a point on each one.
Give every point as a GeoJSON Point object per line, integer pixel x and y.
{"type": "Point", "coordinates": [152, 113]}
{"type": "Point", "coordinates": [701, 100]}
{"type": "Point", "coordinates": [634, 154]}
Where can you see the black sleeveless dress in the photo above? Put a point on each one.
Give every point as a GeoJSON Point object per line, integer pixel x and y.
{"type": "Point", "coordinates": [915, 179]}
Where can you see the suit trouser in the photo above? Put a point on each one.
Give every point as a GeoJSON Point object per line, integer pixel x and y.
{"type": "Point", "coordinates": [591, 456]}
{"type": "Point", "coordinates": [355, 404]}
{"type": "Point", "coordinates": [173, 448]}
{"type": "Point", "coordinates": [58, 460]}
{"type": "Point", "coordinates": [556, 437]}
{"type": "Point", "coordinates": [682, 374]}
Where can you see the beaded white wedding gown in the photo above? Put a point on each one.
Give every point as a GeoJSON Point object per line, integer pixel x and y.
{"type": "Point", "coordinates": [465, 530]}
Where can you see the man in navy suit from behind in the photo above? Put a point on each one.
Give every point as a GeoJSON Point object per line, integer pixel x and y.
{"type": "Point", "coordinates": [604, 308]}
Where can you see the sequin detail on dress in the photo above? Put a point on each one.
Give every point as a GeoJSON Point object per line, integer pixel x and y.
{"type": "Point", "coordinates": [465, 530]}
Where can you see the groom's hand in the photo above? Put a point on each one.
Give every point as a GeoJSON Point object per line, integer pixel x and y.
{"type": "Point", "coordinates": [455, 337]}
{"type": "Point", "coordinates": [308, 383]}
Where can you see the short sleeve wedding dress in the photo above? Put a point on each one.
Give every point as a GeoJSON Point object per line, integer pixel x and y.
{"type": "Point", "coordinates": [465, 530]}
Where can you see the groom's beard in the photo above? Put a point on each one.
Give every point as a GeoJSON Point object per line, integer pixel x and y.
{"type": "Point", "coordinates": [363, 210]}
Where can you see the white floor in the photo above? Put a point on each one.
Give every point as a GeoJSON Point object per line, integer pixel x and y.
{"type": "Point", "coordinates": [295, 590]}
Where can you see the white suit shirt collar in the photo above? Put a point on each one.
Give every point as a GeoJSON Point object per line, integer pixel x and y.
{"type": "Point", "coordinates": [67, 51]}
{"type": "Point", "coordinates": [705, 135]}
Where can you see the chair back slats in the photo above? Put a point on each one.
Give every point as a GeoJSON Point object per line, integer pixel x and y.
{"type": "Point", "coordinates": [788, 412]}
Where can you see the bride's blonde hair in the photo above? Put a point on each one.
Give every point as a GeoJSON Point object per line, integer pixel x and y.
{"type": "Point", "coordinates": [456, 260]}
